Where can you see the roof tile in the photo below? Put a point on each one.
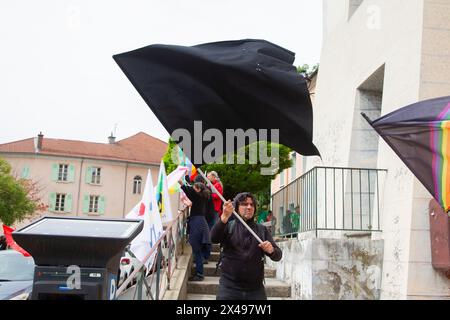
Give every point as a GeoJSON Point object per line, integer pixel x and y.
{"type": "Point", "coordinates": [140, 148]}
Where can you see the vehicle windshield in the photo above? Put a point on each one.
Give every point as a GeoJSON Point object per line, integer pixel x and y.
{"type": "Point", "coordinates": [16, 267]}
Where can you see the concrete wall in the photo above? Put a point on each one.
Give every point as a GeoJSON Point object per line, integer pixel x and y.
{"type": "Point", "coordinates": [424, 282]}
{"type": "Point", "coordinates": [326, 269]}
{"type": "Point", "coordinates": [289, 174]}
{"type": "Point", "coordinates": [376, 35]}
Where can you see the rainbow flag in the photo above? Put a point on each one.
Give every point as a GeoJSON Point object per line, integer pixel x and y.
{"type": "Point", "coordinates": [440, 145]}
{"type": "Point", "coordinates": [420, 135]}
{"type": "Point", "coordinates": [185, 162]}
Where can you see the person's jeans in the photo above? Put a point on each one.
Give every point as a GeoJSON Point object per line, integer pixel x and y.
{"type": "Point", "coordinates": [211, 223]}
{"type": "Point", "coordinates": [198, 259]}
{"type": "Point", "coordinates": [203, 253]}
{"type": "Point", "coordinates": [226, 293]}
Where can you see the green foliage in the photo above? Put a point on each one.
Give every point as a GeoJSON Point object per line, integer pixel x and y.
{"type": "Point", "coordinates": [306, 70]}
{"type": "Point", "coordinates": [168, 163]}
{"type": "Point", "coordinates": [238, 178]}
{"type": "Point", "coordinates": [247, 177]}
{"type": "Point", "coordinates": [15, 202]}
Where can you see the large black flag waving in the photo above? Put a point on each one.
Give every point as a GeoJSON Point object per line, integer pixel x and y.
{"type": "Point", "coordinates": [243, 84]}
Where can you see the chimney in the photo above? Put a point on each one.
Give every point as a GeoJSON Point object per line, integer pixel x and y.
{"type": "Point", "coordinates": [39, 141]}
{"type": "Point", "coordinates": [111, 139]}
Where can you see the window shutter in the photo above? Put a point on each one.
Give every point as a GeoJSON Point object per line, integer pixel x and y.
{"type": "Point", "coordinates": [55, 168]}
{"type": "Point", "coordinates": [86, 204]}
{"type": "Point", "coordinates": [101, 205]}
{"type": "Point", "coordinates": [52, 202]}
{"type": "Point", "coordinates": [25, 172]}
{"type": "Point", "coordinates": [71, 173]}
{"type": "Point", "coordinates": [68, 203]}
{"type": "Point", "coordinates": [89, 175]}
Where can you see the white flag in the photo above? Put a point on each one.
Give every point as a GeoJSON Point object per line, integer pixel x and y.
{"type": "Point", "coordinates": [173, 178]}
{"type": "Point", "coordinates": [147, 210]}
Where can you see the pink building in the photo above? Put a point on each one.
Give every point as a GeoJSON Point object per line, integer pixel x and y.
{"type": "Point", "coordinates": [85, 179]}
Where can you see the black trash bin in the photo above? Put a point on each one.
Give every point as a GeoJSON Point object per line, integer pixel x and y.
{"type": "Point", "coordinates": [76, 258]}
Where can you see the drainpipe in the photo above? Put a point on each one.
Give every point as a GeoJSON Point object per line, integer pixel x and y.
{"type": "Point", "coordinates": [125, 190]}
{"type": "Point", "coordinates": [79, 185]}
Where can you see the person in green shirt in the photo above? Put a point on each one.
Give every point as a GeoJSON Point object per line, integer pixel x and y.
{"type": "Point", "coordinates": [295, 219]}
{"type": "Point", "coordinates": [262, 216]}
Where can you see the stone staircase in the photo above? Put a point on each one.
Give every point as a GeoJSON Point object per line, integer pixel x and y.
{"type": "Point", "coordinates": [207, 289]}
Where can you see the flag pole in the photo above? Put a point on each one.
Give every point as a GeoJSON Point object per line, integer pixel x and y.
{"type": "Point", "coordinates": [234, 211]}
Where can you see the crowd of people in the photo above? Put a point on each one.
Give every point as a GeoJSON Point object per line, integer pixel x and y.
{"type": "Point", "coordinates": [242, 256]}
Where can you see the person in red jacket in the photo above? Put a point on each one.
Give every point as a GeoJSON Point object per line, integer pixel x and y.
{"type": "Point", "coordinates": [215, 180]}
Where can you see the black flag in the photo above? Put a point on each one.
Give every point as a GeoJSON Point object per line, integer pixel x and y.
{"type": "Point", "coordinates": [243, 84]}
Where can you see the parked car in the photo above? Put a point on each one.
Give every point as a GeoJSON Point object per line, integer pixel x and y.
{"type": "Point", "coordinates": [16, 275]}
{"type": "Point", "coordinates": [127, 265]}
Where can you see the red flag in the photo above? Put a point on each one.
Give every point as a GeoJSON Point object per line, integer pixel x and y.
{"type": "Point", "coordinates": [10, 241]}
{"type": "Point", "coordinates": [141, 209]}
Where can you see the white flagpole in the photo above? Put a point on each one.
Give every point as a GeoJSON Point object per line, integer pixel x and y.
{"type": "Point", "coordinates": [234, 211]}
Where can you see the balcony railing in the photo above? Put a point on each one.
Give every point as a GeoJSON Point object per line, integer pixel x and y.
{"type": "Point", "coordinates": [151, 285]}
{"type": "Point", "coordinates": [329, 198]}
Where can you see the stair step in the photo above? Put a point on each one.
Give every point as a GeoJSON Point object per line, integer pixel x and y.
{"type": "Point", "coordinates": [210, 268]}
{"type": "Point", "coordinates": [210, 285]}
{"type": "Point", "coordinates": [194, 296]}
{"type": "Point", "coordinates": [214, 257]}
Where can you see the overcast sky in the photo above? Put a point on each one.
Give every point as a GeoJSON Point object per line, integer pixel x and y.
{"type": "Point", "coordinates": [57, 74]}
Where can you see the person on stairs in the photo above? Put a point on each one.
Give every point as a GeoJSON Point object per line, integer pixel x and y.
{"type": "Point", "coordinates": [198, 227]}
{"type": "Point", "coordinates": [210, 216]}
{"type": "Point", "coordinates": [242, 257]}
{"type": "Point", "coordinates": [215, 180]}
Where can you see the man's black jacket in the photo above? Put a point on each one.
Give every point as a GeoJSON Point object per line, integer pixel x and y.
{"type": "Point", "coordinates": [242, 262]}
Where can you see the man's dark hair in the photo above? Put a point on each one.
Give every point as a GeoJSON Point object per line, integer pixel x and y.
{"type": "Point", "coordinates": [204, 191]}
{"type": "Point", "coordinates": [199, 178]}
{"type": "Point", "coordinates": [241, 197]}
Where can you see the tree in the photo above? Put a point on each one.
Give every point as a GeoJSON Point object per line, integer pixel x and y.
{"type": "Point", "coordinates": [168, 162]}
{"type": "Point", "coordinates": [306, 70]}
{"type": "Point", "coordinates": [237, 178]}
{"type": "Point", "coordinates": [243, 177]}
{"type": "Point", "coordinates": [19, 198]}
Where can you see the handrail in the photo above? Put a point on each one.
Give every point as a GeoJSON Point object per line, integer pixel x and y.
{"type": "Point", "coordinates": [322, 167]}
{"type": "Point", "coordinates": [157, 259]}
{"type": "Point", "coordinates": [329, 199]}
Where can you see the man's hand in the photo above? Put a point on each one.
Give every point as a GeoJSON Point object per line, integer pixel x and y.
{"type": "Point", "coordinates": [227, 211]}
{"type": "Point", "coordinates": [267, 247]}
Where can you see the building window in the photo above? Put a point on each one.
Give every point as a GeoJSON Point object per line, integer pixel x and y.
{"type": "Point", "coordinates": [93, 204]}
{"type": "Point", "coordinates": [60, 201]}
{"type": "Point", "coordinates": [137, 182]}
{"type": "Point", "coordinates": [62, 172]}
{"type": "Point", "coordinates": [95, 178]}
{"type": "Point", "coordinates": [25, 172]}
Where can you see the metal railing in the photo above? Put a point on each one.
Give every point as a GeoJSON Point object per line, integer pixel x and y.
{"type": "Point", "coordinates": [329, 198]}
{"type": "Point", "coordinates": [153, 283]}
